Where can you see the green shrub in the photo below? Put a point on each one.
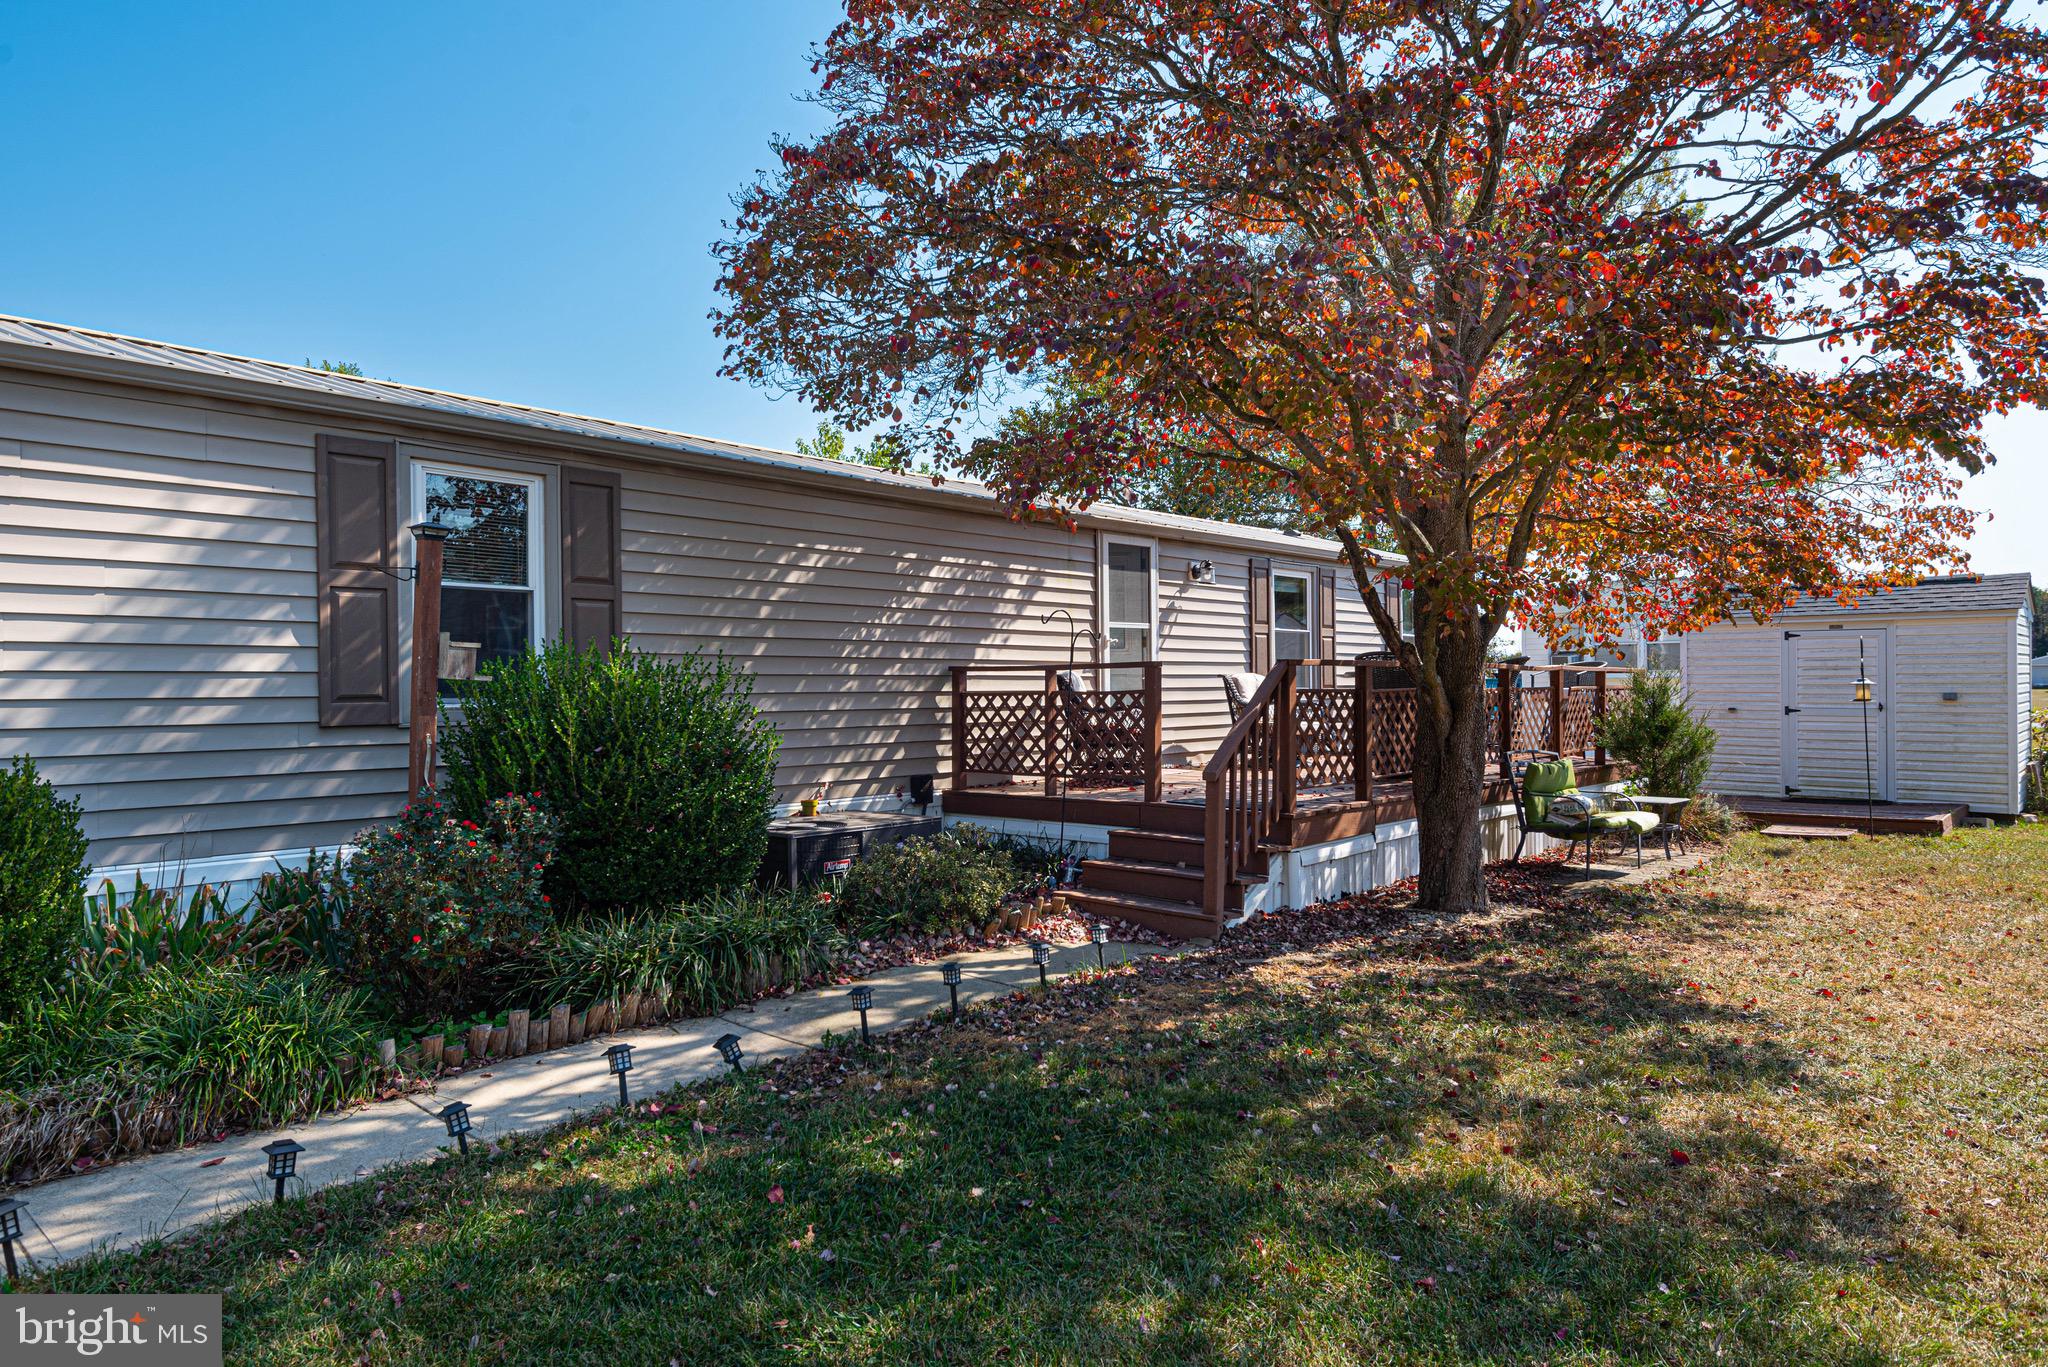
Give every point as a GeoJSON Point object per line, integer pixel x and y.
{"type": "Point", "coordinates": [437, 905]}
{"type": "Point", "coordinates": [1652, 728]}
{"type": "Point", "coordinates": [942, 884]}
{"type": "Point", "coordinates": [301, 915]}
{"type": "Point", "coordinates": [102, 1068]}
{"type": "Point", "coordinates": [42, 868]}
{"type": "Point", "coordinates": [697, 959]}
{"type": "Point", "coordinates": [660, 770]}
{"type": "Point", "coordinates": [148, 927]}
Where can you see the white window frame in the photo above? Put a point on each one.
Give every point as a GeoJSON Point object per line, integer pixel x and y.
{"type": "Point", "coordinates": [1308, 579]}
{"type": "Point", "coordinates": [1103, 624]}
{"type": "Point", "coordinates": [536, 529]}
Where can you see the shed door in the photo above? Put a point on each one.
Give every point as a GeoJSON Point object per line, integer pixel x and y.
{"type": "Point", "coordinates": [1824, 724]}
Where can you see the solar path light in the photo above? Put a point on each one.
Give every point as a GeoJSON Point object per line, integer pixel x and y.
{"type": "Point", "coordinates": [455, 1115]}
{"type": "Point", "coordinates": [1041, 954]}
{"type": "Point", "coordinates": [620, 1059]}
{"type": "Point", "coordinates": [728, 1047]}
{"type": "Point", "coordinates": [862, 998]}
{"type": "Point", "coordinates": [1101, 937]}
{"type": "Point", "coordinates": [950, 975]}
{"type": "Point", "coordinates": [10, 1230]}
{"type": "Point", "coordinates": [282, 1157]}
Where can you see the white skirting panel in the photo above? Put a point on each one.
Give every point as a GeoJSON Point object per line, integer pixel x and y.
{"type": "Point", "coordinates": [233, 876]}
{"type": "Point", "coordinates": [1089, 842]}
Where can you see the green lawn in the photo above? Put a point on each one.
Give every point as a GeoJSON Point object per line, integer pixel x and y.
{"type": "Point", "coordinates": [1786, 1110]}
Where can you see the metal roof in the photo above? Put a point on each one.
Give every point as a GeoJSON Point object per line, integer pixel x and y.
{"type": "Point", "coordinates": [1948, 593]}
{"type": "Point", "coordinates": [58, 346]}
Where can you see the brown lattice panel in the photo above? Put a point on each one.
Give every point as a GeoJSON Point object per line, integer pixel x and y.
{"type": "Point", "coordinates": [1393, 732]}
{"type": "Point", "coordinates": [1578, 720]}
{"type": "Point", "coordinates": [1323, 722]}
{"type": "Point", "coordinates": [1005, 733]}
{"type": "Point", "coordinates": [1107, 737]}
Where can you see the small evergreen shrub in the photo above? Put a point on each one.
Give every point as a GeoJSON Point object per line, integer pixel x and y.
{"type": "Point", "coordinates": [438, 904]}
{"type": "Point", "coordinates": [1652, 728]}
{"type": "Point", "coordinates": [942, 884]}
{"type": "Point", "coordinates": [695, 959]}
{"type": "Point", "coordinates": [660, 770]}
{"type": "Point", "coordinates": [42, 870]}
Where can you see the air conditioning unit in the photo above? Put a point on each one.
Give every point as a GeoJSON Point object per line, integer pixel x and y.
{"type": "Point", "coordinates": [813, 849]}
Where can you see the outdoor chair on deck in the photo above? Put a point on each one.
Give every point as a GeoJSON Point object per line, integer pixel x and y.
{"type": "Point", "coordinates": [1238, 690]}
{"type": "Point", "coordinates": [1542, 786]}
{"type": "Point", "coordinates": [1104, 745]}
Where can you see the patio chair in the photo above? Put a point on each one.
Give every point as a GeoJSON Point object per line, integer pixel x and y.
{"type": "Point", "coordinates": [1238, 690]}
{"type": "Point", "coordinates": [1105, 747]}
{"type": "Point", "coordinates": [1544, 778]}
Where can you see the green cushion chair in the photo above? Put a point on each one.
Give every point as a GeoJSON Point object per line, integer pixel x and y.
{"type": "Point", "coordinates": [1541, 781]}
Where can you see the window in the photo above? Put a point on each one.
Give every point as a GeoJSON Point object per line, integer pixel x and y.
{"type": "Point", "coordinates": [1129, 621]}
{"type": "Point", "coordinates": [1294, 636]}
{"type": "Point", "coordinates": [1407, 614]}
{"type": "Point", "coordinates": [1663, 657]}
{"type": "Point", "coordinates": [491, 569]}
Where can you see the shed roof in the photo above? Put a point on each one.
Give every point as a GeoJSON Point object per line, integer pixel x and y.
{"type": "Point", "coordinates": [1947, 593]}
{"type": "Point", "coordinates": [61, 347]}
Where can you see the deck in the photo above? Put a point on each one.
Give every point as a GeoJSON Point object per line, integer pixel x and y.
{"type": "Point", "coordinates": [1312, 757]}
{"type": "Point", "coordinates": [1885, 818]}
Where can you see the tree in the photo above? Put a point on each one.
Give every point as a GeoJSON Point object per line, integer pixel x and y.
{"type": "Point", "coordinates": [1668, 308]}
{"type": "Point", "coordinates": [2040, 622]}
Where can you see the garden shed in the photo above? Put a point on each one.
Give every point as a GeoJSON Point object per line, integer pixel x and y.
{"type": "Point", "coordinates": [1947, 660]}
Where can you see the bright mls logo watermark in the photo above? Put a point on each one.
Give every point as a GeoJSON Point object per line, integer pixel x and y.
{"type": "Point", "coordinates": [164, 1331]}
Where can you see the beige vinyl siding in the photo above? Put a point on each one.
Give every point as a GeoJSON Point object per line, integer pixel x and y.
{"type": "Point", "coordinates": [158, 612]}
{"type": "Point", "coordinates": [1735, 678]}
{"type": "Point", "coordinates": [158, 626]}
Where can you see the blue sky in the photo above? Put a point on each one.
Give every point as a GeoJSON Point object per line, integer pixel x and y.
{"type": "Point", "coordinates": [511, 199]}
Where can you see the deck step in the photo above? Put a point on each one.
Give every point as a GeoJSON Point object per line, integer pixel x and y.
{"type": "Point", "coordinates": [1156, 846]}
{"type": "Point", "coordinates": [1143, 878]}
{"type": "Point", "coordinates": [1168, 918]}
{"type": "Point", "coordinates": [1785, 832]}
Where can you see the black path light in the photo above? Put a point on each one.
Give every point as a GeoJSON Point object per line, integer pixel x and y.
{"type": "Point", "coordinates": [10, 1230]}
{"type": "Point", "coordinates": [620, 1057]}
{"type": "Point", "coordinates": [728, 1047]}
{"type": "Point", "coordinates": [455, 1115]}
{"type": "Point", "coordinates": [283, 1156]}
{"type": "Point", "coordinates": [1101, 937]}
{"type": "Point", "coordinates": [1041, 954]}
{"type": "Point", "coordinates": [862, 998]}
{"type": "Point", "coordinates": [949, 974]}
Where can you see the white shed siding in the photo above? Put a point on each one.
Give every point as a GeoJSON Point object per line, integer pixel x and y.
{"type": "Point", "coordinates": [1735, 677]}
{"type": "Point", "coordinates": [1940, 751]}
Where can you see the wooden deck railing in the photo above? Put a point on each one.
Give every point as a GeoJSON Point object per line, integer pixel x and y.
{"type": "Point", "coordinates": [1098, 737]}
{"type": "Point", "coordinates": [1244, 799]}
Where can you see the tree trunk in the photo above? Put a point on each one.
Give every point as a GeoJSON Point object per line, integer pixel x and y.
{"type": "Point", "coordinates": [1450, 788]}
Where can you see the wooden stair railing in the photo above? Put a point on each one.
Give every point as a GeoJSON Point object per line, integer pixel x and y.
{"type": "Point", "coordinates": [1248, 788]}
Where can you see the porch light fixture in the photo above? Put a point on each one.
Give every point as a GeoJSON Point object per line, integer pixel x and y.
{"type": "Point", "coordinates": [1041, 954]}
{"type": "Point", "coordinates": [282, 1157]}
{"type": "Point", "coordinates": [949, 974]}
{"type": "Point", "coordinates": [455, 1115]}
{"type": "Point", "coordinates": [620, 1059]}
{"type": "Point", "coordinates": [1865, 691]}
{"type": "Point", "coordinates": [1100, 935]}
{"type": "Point", "coordinates": [728, 1047]}
{"type": "Point", "coordinates": [1201, 571]}
{"type": "Point", "coordinates": [10, 1230]}
{"type": "Point", "coordinates": [862, 998]}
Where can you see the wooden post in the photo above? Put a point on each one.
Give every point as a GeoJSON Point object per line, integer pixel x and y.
{"type": "Point", "coordinates": [1361, 731]}
{"type": "Point", "coordinates": [430, 1051]}
{"type": "Point", "coordinates": [959, 728]}
{"type": "Point", "coordinates": [1509, 702]}
{"type": "Point", "coordinates": [387, 1054]}
{"type": "Point", "coordinates": [1155, 731]}
{"type": "Point", "coordinates": [426, 657]}
{"type": "Point", "coordinates": [517, 1031]}
{"type": "Point", "coordinates": [452, 1056]}
{"type": "Point", "coordinates": [1052, 731]}
{"type": "Point", "coordinates": [1599, 714]}
{"type": "Point", "coordinates": [558, 1026]}
{"type": "Point", "coordinates": [1286, 760]}
{"type": "Point", "coordinates": [479, 1041]}
{"type": "Point", "coordinates": [1556, 710]}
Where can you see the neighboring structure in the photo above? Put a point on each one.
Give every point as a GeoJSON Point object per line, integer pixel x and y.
{"type": "Point", "coordinates": [202, 638]}
{"type": "Point", "coordinates": [1948, 719]}
{"type": "Point", "coordinates": [2037, 669]}
{"type": "Point", "coordinates": [1632, 649]}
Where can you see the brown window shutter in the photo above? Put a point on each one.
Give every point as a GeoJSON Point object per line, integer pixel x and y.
{"type": "Point", "coordinates": [590, 558]}
{"type": "Point", "coordinates": [1259, 613]}
{"type": "Point", "coordinates": [1390, 594]}
{"type": "Point", "coordinates": [1326, 614]}
{"type": "Point", "coordinates": [355, 493]}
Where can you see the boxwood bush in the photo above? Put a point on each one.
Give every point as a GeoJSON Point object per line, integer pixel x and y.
{"type": "Point", "coordinates": [942, 884]}
{"type": "Point", "coordinates": [660, 770]}
{"type": "Point", "coordinates": [42, 876]}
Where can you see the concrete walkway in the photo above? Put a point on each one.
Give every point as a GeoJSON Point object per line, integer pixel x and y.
{"type": "Point", "coordinates": [170, 1193]}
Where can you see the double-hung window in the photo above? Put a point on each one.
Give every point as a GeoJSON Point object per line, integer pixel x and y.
{"type": "Point", "coordinates": [1129, 607]}
{"type": "Point", "coordinates": [1294, 636]}
{"type": "Point", "coordinates": [491, 608]}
